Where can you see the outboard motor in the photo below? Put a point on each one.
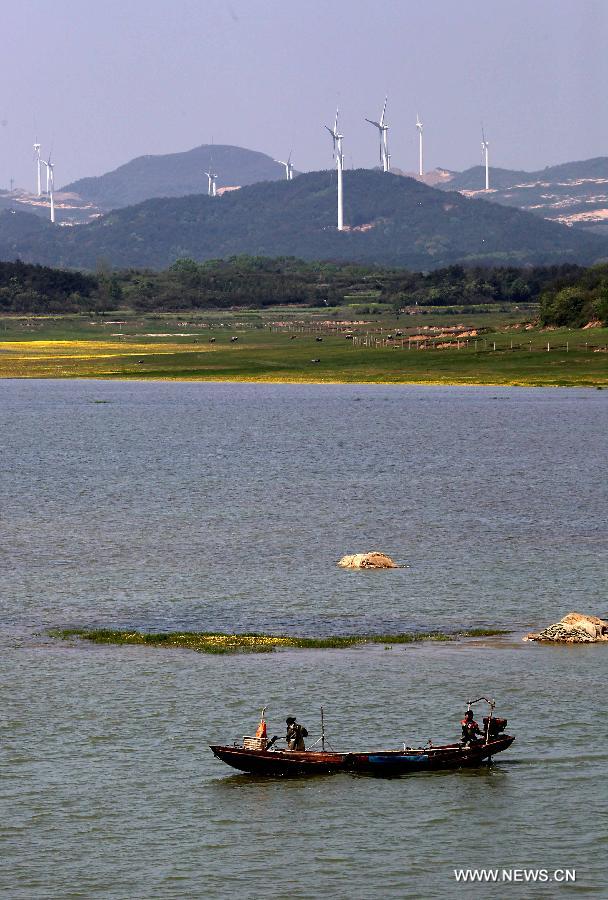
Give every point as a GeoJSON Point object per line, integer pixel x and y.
{"type": "Point", "coordinates": [497, 726]}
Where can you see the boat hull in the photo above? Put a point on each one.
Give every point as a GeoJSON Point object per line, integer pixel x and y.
{"type": "Point", "coordinates": [425, 759]}
{"type": "Point", "coordinates": [280, 762]}
{"type": "Point", "coordinates": [382, 762]}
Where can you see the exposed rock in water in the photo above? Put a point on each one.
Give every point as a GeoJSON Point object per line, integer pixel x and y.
{"type": "Point", "coordinates": [574, 628]}
{"type": "Point", "coordinates": [368, 561]}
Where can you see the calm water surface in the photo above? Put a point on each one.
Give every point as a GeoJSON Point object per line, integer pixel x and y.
{"type": "Point", "coordinates": [166, 505]}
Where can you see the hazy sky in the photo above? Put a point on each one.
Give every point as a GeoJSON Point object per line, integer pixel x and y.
{"type": "Point", "coordinates": [102, 82]}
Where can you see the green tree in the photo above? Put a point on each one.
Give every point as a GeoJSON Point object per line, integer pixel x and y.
{"type": "Point", "coordinates": [566, 307]}
{"type": "Point", "coordinates": [600, 306]}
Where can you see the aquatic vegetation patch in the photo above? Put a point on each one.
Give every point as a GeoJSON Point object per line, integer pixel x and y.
{"type": "Point", "coordinates": [219, 642]}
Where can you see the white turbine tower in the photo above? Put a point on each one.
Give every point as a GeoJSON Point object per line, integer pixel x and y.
{"type": "Point", "coordinates": [420, 127]}
{"type": "Point", "coordinates": [38, 162]}
{"type": "Point", "coordinates": [337, 139]}
{"type": "Point", "coordinates": [212, 177]}
{"type": "Point", "coordinates": [288, 167]}
{"type": "Point", "coordinates": [50, 184]}
{"type": "Point", "coordinates": [385, 159]}
{"type": "Point", "coordinates": [485, 157]}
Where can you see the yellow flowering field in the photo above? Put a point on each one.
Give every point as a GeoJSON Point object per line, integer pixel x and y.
{"type": "Point", "coordinates": [65, 359]}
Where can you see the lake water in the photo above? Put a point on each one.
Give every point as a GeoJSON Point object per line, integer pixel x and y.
{"type": "Point", "coordinates": [216, 506]}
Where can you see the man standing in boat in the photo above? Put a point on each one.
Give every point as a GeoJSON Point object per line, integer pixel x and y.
{"type": "Point", "coordinates": [470, 729]}
{"type": "Point", "coordinates": [295, 734]}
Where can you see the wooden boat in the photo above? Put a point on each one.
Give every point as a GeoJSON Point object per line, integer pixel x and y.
{"type": "Point", "coordinates": [376, 762]}
{"type": "Point", "coordinates": [258, 757]}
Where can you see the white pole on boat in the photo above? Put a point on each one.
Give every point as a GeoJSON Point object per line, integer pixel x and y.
{"type": "Point", "coordinates": [492, 705]}
{"type": "Point", "coordinates": [322, 731]}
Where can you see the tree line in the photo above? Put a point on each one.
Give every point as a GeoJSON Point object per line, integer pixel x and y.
{"type": "Point", "coordinates": [568, 294]}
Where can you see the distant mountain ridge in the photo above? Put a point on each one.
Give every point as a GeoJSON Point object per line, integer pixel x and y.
{"type": "Point", "coordinates": [176, 175]}
{"type": "Point", "coordinates": [573, 193]}
{"type": "Point", "coordinates": [391, 221]}
{"type": "Point", "coordinates": [69, 208]}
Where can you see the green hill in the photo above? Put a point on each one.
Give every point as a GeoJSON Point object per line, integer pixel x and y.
{"type": "Point", "coordinates": [176, 175]}
{"type": "Point", "coordinates": [391, 221]}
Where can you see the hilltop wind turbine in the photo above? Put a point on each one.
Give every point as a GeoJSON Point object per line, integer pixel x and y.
{"type": "Point", "coordinates": [212, 176]}
{"type": "Point", "coordinates": [385, 159]}
{"type": "Point", "coordinates": [288, 167]}
{"type": "Point", "coordinates": [50, 184]}
{"type": "Point", "coordinates": [420, 127]}
{"type": "Point", "coordinates": [484, 156]}
{"type": "Point", "coordinates": [38, 162]}
{"type": "Point", "coordinates": [337, 139]}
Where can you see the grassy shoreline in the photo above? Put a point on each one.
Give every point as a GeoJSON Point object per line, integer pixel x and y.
{"type": "Point", "coordinates": [253, 642]}
{"type": "Point", "coordinates": [312, 352]}
{"type": "Point", "coordinates": [452, 382]}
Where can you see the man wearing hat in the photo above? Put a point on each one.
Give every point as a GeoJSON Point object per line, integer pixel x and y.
{"type": "Point", "coordinates": [295, 734]}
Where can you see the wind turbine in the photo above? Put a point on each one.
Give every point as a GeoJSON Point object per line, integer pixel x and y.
{"type": "Point", "coordinates": [484, 156]}
{"type": "Point", "coordinates": [38, 162]}
{"type": "Point", "coordinates": [337, 139]}
{"type": "Point", "coordinates": [420, 127]}
{"type": "Point", "coordinates": [288, 167]}
{"type": "Point", "coordinates": [50, 184]}
{"type": "Point", "coordinates": [212, 176]}
{"type": "Point", "coordinates": [385, 159]}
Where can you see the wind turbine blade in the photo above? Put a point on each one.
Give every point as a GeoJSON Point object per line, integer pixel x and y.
{"type": "Point", "coordinates": [383, 111]}
{"type": "Point", "coordinates": [371, 122]}
{"type": "Point", "coordinates": [333, 136]}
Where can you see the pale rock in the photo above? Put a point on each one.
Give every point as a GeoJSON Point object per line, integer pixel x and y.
{"type": "Point", "coordinates": [574, 628]}
{"type": "Point", "coordinates": [371, 560]}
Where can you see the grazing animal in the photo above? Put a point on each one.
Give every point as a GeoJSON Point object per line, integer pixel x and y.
{"type": "Point", "coordinates": [233, 339]}
{"type": "Point", "coordinates": [318, 339]}
{"type": "Point", "coordinates": [315, 360]}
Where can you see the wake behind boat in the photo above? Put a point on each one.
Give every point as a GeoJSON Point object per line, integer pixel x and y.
{"type": "Point", "coordinates": [257, 755]}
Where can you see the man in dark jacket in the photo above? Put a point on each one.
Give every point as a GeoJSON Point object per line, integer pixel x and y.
{"type": "Point", "coordinates": [470, 729]}
{"type": "Point", "coordinates": [295, 734]}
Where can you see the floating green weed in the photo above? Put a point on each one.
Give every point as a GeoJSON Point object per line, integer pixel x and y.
{"type": "Point", "coordinates": [219, 642]}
